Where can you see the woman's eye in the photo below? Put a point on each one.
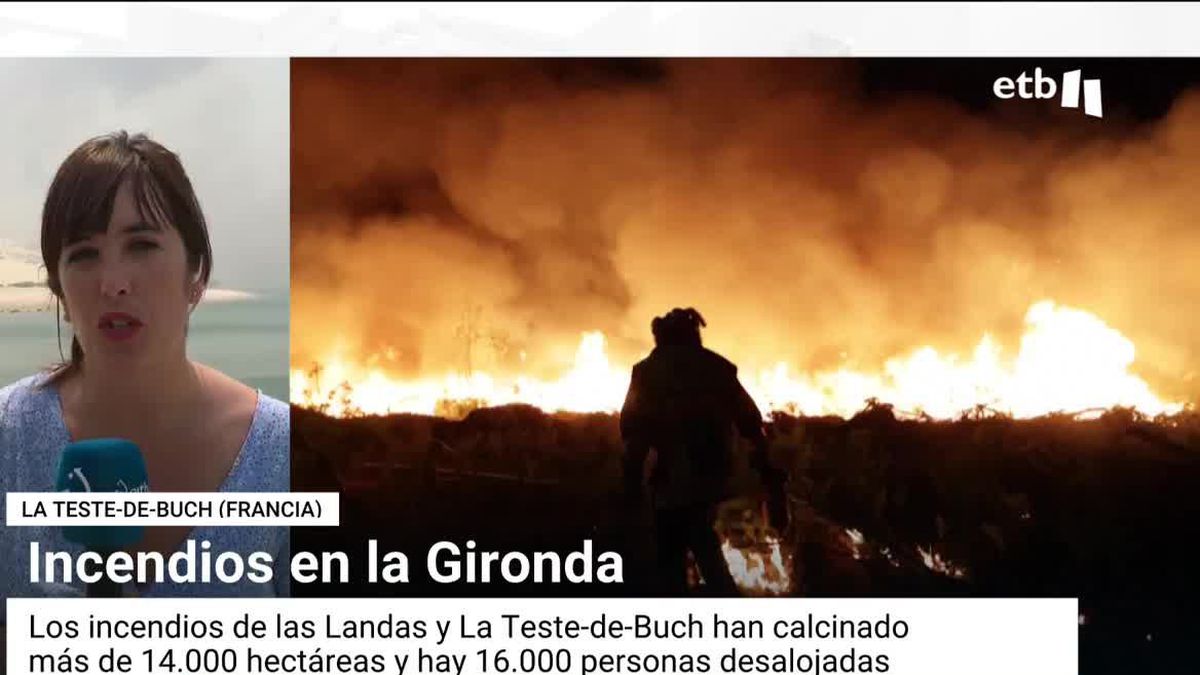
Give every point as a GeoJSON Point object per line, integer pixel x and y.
{"type": "Point", "coordinates": [81, 254]}
{"type": "Point", "coordinates": [143, 245]}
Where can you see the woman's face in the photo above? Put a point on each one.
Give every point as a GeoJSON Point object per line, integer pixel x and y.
{"type": "Point", "coordinates": [127, 289]}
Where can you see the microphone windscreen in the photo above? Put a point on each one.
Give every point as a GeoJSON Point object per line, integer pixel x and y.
{"type": "Point", "coordinates": [102, 465]}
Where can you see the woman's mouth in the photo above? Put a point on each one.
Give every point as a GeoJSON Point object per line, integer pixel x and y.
{"type": "Point", "coordinates": [118, 326]}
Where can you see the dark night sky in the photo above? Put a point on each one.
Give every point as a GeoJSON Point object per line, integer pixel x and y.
{"type": "Point", "coordinates": [1138, 89]}
{"type": "Point", "coordinates": [1141, 89]}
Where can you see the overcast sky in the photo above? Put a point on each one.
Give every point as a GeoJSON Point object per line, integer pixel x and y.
{"type": "Point", "coordinates": [226, 118]}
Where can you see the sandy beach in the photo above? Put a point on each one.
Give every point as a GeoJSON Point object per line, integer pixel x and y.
{"type": "Point", "coordinates": [226, 295]}
{"type": "Point", "coordinates": [39, 299]}
{"type": "Point", "coordinates": [25, 300]}
{"type": "Point", "coordinates": [20, 265]}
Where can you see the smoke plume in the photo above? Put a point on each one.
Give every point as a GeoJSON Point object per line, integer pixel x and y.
{"type": "Point", "coordinates": [479, 214]}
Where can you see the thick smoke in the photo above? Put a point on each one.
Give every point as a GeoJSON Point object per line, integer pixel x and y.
{"type": "Point", "coordinates": [481, 214]}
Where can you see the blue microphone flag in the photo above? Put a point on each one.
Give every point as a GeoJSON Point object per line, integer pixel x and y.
{"type": "Point", "coordinates": [102, 465]}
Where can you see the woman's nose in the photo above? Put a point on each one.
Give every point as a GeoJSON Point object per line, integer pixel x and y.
{"type": "Point", "coordinates": [115, 280]}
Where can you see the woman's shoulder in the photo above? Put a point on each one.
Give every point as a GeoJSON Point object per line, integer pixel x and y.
{"type": "Point", "coordinates": [269, 417]}
{"type": "Point", "coordinates": [30, 432]}
{"type": "Point", "coordinates": [266, 457]}
{"type": "Point", "coordinates": [28, 395]}
{"type": "Point", "coordinates": [273, 419]}
{"type": "Point", "coordinates": [264, 462]}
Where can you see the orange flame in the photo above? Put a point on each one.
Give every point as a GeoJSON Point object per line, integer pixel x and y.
{"type": "Point", "coordinates": [936, 563]}
{"type": "Point", "coordinates": [759, 570]}
{"type": "Point", "coordinates": [857, 543]}
{"type": "Point", "coordinates": [1069, 360]}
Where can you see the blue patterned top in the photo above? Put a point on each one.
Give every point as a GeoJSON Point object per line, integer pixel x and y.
{"type": "Point", "coordinates": [32, 433]}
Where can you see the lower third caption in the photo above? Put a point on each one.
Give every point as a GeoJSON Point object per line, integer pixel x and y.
{"type": "Point", "coordinates": [312, 647]}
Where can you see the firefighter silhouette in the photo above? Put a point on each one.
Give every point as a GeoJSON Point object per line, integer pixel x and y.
{"type": "Point", "coordinates": [685, 402]}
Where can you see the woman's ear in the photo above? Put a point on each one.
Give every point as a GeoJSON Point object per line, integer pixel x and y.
{"type": "Point", "coordinates": [195, 292]}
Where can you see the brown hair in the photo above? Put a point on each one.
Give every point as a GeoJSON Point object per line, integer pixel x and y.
{"type": "Point", "coordinates": [80, 200]}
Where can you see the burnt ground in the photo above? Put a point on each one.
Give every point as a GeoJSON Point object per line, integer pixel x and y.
{"type": "Point", "coordinates": [1105, 510]}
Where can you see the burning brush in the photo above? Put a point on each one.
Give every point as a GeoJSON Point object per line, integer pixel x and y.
{"type": "Point", "coordinates": [753, 548]}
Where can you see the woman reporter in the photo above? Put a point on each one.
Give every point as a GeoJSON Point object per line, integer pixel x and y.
{"type": "Point", "coordinates": [127, 256]}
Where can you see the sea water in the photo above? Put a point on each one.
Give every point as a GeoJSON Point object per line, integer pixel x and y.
{"type": "Point", "coordinates": [245, 339]}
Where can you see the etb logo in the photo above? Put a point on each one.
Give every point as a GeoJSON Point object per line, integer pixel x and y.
{"type": "Point", "coordinates": [1040, 86]}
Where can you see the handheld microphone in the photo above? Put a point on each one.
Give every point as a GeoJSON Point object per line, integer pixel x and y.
{"type": "Point", "coordinates": [102, 465]}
